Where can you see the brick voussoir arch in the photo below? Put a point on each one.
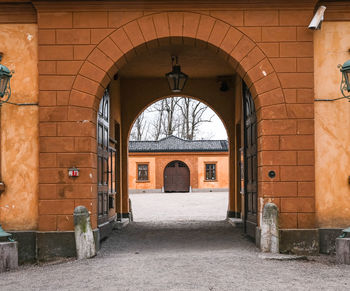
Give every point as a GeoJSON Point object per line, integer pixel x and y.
{"type": "Point", "coordinates": [111, 53]}
{"type": "Point", "coordinates": [245, 56]}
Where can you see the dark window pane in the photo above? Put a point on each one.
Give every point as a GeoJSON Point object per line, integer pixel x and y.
{"type": "Point", "coordinates": [210, 171]}
{"type": "Point", "coordinates": [142, 172]}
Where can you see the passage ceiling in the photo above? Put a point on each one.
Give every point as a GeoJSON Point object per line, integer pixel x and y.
{"type": "Point", "coordinates": [197, 62]}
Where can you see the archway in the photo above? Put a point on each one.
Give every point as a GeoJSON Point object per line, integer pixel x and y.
{"type": "Point", "coordinates": [150, 152]}
{"type": "Point", "coordinates": [274, 118]}
{"type": "Point", "coordinates": [263, 69]}
{"type": "Point", "coordinates": [176, 177]}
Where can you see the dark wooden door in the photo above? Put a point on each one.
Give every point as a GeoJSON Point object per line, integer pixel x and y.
{"type": "Point", "coordinates": [176, 177]}
{"type": "Point", "coordinates": [103, 158]}
{"type": "Point", "coordinates": [250, 163]}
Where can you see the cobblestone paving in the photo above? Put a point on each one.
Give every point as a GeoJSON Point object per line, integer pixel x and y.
{"type": "Point", "coordinates": [180, 255]}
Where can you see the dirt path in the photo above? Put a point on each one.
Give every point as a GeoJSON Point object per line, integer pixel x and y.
{"type": "Point", "coordinates": [180, 255]}
{"type": "Point", "coordinates": [190, 255]}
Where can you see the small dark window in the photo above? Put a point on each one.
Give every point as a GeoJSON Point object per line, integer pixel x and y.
{"type": "Point", "coordinates": [210, 171]}
{"type": "Point", "coordinates": [142, 172]}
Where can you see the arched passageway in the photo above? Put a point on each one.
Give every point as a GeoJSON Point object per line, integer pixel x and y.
{"type": "Point", "coordinates": [133, 88]}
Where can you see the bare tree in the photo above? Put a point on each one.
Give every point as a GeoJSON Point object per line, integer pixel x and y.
{"type": "Point", "coordinates": [138, 130]}
{"type": "Point", "coordinates": [157, 122]}
{"type": "Point", "coordinates": [170, 121]}
{"type": "Point", "coordinates": [171, 116]}
{"type": "Point", "coordinates": [192, 112]}
{"type": "Point", "coordinates": [165, 121]}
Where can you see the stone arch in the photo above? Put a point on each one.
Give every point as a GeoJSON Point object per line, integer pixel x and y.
{"type": "Point", "coordinates": [241, 52]}
{"type": "Point", "coordinates": [154, 30]}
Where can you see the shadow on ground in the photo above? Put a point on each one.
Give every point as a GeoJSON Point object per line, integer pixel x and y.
{"type": "Point", "coordinates": [172, 236]}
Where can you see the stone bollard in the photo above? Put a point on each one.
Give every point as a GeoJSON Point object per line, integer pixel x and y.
{"type": "Point", "coordinates": [84, 238]}
{"type": "Point", "coordinates": [8, 256]}
{"type": "Point", "coordinates": [269, 241]}
{"type": "Point", "coordinates": [342, 246]}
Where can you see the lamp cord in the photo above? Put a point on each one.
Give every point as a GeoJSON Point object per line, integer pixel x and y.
{"type": "Point", "coordinates": [19, 104]}
{"type": "Point", "coordinates": [333, 99]}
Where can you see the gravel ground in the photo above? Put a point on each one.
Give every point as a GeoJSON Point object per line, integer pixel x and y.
{"type": "Point", "coordinates": [180, 255]}
{"type": "Point", "coordinates": [179, 206]}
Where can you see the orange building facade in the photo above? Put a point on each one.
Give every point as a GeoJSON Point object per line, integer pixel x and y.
{"type": "Point", "coordinates": [285, 146]}
{"type": "Point", "coordinates": [205, 169]}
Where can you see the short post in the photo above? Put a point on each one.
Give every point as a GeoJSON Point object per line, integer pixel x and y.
{"type": "Point", "coordinates": [8, 256]}
{"type": "Point", "coordinates": [342, 247]}
{"type": "Point", "coordinates": [84, 238]}
{"type": "Point", "coordinates": [269, 229]}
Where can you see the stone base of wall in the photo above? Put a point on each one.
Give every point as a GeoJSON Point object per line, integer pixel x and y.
{"type": "Point", "coordinates": [210, 190]}
{"type": "Point", "coordinates": [299, 241]}
{"type": "Point", "coordinates": [8, 256]}
{"type": "Point", "coordinates": [328, 237]}
{"type": "Point", "coordinates": [45, 246]}
{"type": "Point", "coordinates": [26, 246]}
{"type": "Point", "coordinates": [141, 191]}
{"type": "Point", "coordinates": [233, 214]}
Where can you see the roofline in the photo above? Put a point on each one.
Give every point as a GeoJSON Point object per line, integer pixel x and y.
{"type": "Point", "coordinates": [149, 154]}
{"type": "Point", "coordinates": [177, 151]}
{"type": "Point", "coordinates": [196, 140]}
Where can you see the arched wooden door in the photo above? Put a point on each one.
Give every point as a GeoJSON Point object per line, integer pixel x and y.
{"type": "Point", "coordinates": [250, 163]}
{"type": "Point", "coordinates": [176, 177]}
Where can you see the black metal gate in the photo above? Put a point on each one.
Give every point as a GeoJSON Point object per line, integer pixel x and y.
{"type": "Point", "coordinates": [103, 158]}
{"type": "Point", "coordinates": [250, 163]}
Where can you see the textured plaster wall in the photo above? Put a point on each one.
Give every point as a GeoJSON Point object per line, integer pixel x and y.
{"type": "Point", "coordinates": [332, 121]}
{"type": "Point", "coordinates": [19, 129]}
{"type": "Point", "coordinates": [195, 162]}
{"type": "Point", "coordinates": [222, 172]}
{"type": "Point", "coordinates": [133, 183]}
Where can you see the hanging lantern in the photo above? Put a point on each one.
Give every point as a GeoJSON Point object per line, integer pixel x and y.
{"type": "Point", "coordinates": [176, 78]}
{"type": "Point", "coordinates": [5, 88]}
{"type": "Point", "coordinates": [345, 82]}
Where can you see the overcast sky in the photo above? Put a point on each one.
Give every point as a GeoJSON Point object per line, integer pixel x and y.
{"type": "Point", "coordinates": [214, 129]}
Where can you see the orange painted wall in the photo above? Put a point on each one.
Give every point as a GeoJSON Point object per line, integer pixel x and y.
{"type": "Point", "coordinates": [195, 162]}
{"type": "Point", "coordinates": [19, 129]}
{"type": "Point", "coordinates": [269, 46]}
{"type": "Point", "coordinates": [332, 119]}
{"type": "Point", "coordinates": [222, 172]}
{"type": "Point", "coordinates": [133, 183]}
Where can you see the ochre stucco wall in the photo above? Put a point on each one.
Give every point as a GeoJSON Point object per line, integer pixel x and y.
{"type": "Point", "coordinates": [270, 48]}
{"type": "Point", "coordinates": [222, 172]}
{"type": "Point", "coordinates": [133, 183]}
{"type": "Point", "coordinates": [195, 162]}
{"type": "Point", "coordinates": [332, 121]}
{"type": "Point", "coordinates": [19, 129]}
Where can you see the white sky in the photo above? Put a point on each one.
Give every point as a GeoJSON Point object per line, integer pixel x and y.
{"type": "Point", "coordinates": [214, 129]}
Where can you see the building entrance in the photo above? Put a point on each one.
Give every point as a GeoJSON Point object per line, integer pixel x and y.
{"type": "Point", "coordinates": [176, 177]}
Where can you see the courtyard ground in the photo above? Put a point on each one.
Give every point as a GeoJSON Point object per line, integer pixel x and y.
{"type": "Point", "coordinates": [165, 253]}
{"type": "Point", "coordinates": [179, 206]}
